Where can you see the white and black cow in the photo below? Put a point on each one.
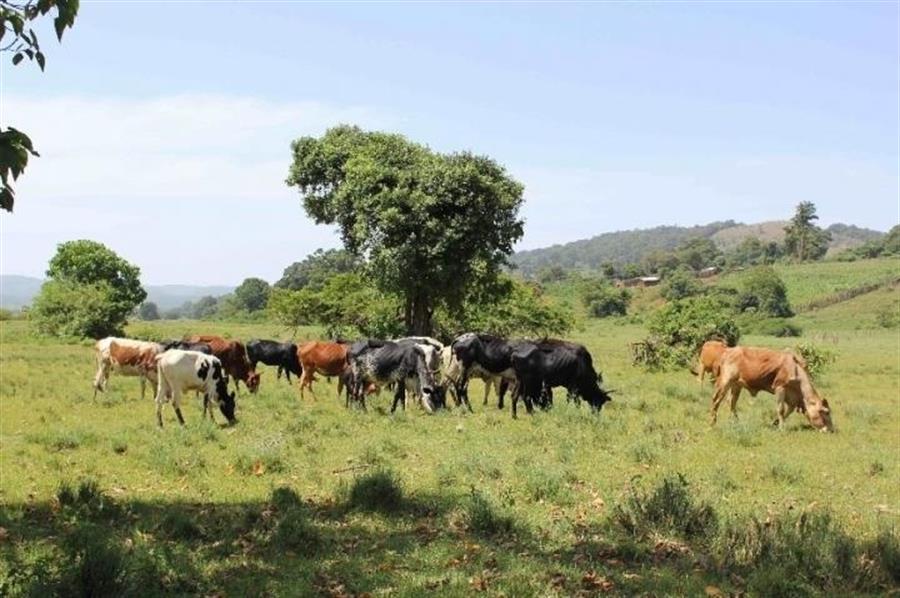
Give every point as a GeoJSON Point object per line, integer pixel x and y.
{"type": "Point", "coordinates": [451, 377]}
{"type": "Point", "coordinates": [383, 363]}
{"type": "Point", "coordinates": [187, 346]}
{"type": "Point", "coordinates": [431, 348]}
{"type": "Point", "coordinates": [545, 364]}
{"type": "Point", "coordinates": [180, 370]}
{"type": "Point", "coordinates": [486, 354]}
{"type": "Point", "coordinates": [281, 355]}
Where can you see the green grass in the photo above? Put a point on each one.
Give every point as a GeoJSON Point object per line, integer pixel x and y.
{"type": "Point", "coordinates": [806, 282]}
{"type": "Point", "coordinates": [308, 498]}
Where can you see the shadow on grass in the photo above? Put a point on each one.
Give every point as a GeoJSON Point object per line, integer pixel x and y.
{"type": "Point", "coordinates": [85, 543]}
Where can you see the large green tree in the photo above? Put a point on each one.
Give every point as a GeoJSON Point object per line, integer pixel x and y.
{"type": "Point", "coordinates": [430, 226]}
{"type": "Point", "coordinates": [252, 294]}
{"type": "Point", "coordinates": [803, 240]}
{"type": "Point", "coordinates": [91, 291]}
{"type": "Point", "coordinates": [17, 38]}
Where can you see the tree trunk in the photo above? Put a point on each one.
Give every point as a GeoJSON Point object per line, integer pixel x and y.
{"type": "Point", "coordinates": [418, 315]}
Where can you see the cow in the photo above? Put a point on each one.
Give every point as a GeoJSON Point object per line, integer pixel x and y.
{"type": "Point", "coordinates": [708, 360]}
{"type": "Point", "coordinates": [451, 376]}
{"type": "Point", "coordinates": [431, 348]}
{"type": "Point", "coordinates": [491, 354]}
{"type": "Point", "coordinates": [403, 364]}
{"type": "Point", "coordinates": [234, 359]}
{"type": "Point", "coordinates": [179, 370]}
{"type": "Point", "coordinates": [781, 373]}
{"type": "Point", "coordinates": [281, 355]}
{"type": "Point", "coordinates": [544, 364]}
{"type": "Point", "coordinates": [324, 357]}
{"type": "Point", "coordinates": [127, 357]}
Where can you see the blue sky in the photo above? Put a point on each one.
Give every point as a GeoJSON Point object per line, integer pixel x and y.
{"type": "Point", "coordinates": [164, 127]}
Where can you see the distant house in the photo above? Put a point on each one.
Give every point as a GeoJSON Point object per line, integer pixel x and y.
{"type": "Point", "coordinates": [639, 281]}
{"type": "Point", "coordinates": [707, 272]}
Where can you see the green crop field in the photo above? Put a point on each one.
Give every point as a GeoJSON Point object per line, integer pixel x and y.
{"type": "Point", "coordinates": [307, 498]}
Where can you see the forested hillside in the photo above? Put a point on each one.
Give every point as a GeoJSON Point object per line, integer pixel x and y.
{"type": "Point", "coordinates": [624, 247]}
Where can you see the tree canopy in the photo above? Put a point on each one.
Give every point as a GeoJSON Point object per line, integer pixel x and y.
{"type": "Point", "coordinates": [315, 270]}
{"type": "Point", "coordinates": [91, 291]}
{"type": "Point", "coordinates": [804, 240]}
{"type": "Point", "coordinates": [252, 294]}
{"type": "Point", "coordinates": [429, 225]}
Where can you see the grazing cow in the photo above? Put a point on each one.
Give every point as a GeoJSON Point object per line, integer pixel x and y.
{"type": "Point", "coordinates": [233, 357]}
{"type": "Point", "coordinates": [386, 362]}
{"type": "Point", "coordinates": [127, 357]}
{"type": "Point", "coordinates": [542, 365]}
{"type": "Point", "coordinates": [179, 371]}
{"type": "Point", "coordinates": [781, 373]}
{"type": "Point", "coordinates": [323, 357]}
{"type": "Point", "coordinates": [708, 361]}
{"type": "Point", "coordinates": [491, 354]}
{"type": "Point", "coordinates": [282, 355]}
{"type": "Point", "coordinates": [186, 346]}
{"type": "Point", "coordinates": [451, 376]}
{"type": "Point", "coordinates": [431, 348]}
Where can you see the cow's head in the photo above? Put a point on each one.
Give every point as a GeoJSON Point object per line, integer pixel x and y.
{"type": "Point", "coordinates": [819, 414]}
{"type": "Point", "coordinates": [225, 400]}
{"type": "Point", "coordinates": [253, 381]}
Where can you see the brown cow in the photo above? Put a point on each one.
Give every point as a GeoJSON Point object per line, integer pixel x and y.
{"type": "Point", "coordinates": [127, 357]}
{"type": "Point", "coordinates": [326, 358]}
{"type": "Point", "coordinates": [234, 359]}
{"type": "Point", "coordinates": [708, 361]}
{"type": "Point", "coordinates": [779, 372]}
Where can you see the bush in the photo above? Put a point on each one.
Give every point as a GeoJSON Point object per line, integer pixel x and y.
{"type": "Point", "coordinates": [681, 284]}
{"type": "Point", "coordinates": [817, 358]}
{"type": "Point", "coordinates": [678, 329]}
{"type": "Point", "coordinates": [377, 491]}
{"type": "Point", "coordinates": [669, 508]}
{"type": "Point", "coordinates": [764, 292]}
{"type": "Point", "coordinates": [77, 310]}
{"type": "Point", "coordinates": [604, 300]}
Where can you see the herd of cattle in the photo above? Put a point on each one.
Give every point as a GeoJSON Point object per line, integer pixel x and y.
{"type": "Point", "coordinates": [424, 370]}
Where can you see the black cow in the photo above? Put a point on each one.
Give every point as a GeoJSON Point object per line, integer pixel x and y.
{"type": "Point", "coordinates": [187, 346]}
{"type": "Point", "coordinates": [384, 362]}
{"type": "Point", "coordinates": [491, 353]}
{"type": "Point", "coordinates": [282, 355]}
{"type": "Point", "coordinates": [542, 365]}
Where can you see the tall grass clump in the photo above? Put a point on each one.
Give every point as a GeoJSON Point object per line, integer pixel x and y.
{"type": "Point", "coordinates": [669, 508]}
{"type": "Point", "coordinates": [379, 491]}
{"type": "Point", "coordinates": [806, 554]}
{"type": "Point", "coordinates": [484, 518]}
{"type": "Point", "coordinates": [293, 531]}
{"type": "Point", "coordinates": [85, 500]}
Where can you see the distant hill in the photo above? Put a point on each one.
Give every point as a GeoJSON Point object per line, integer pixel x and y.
{"type": "Point", "coordinates": [16, 291]}
{"type": "Point", "coordinates": [623, 247]}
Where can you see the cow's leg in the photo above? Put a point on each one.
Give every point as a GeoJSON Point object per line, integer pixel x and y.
{"type": "Point", "coordinates": [162, 392]}
{"type": "Point", "coordinates": [143, 386]}
{"type": "Point", "coordinates": [287, 374]}
{"type": "Point", "coordinates": [176, 403]}
{"type": "Point", "coordinates": [101, 377]}
{"type": "Point", "coordinates": [783, 408]}
{"type": "Point", "coordinates": [277, 374]}
{"type": "Point", "coordinates": [488, 383]}
{"type": "Point", "coordinates": [735, 392]}
{"type": "Point", "coordinates": [718, 397]}
{"type": "Point", "coordinates": [504, 387]}
{"type": "Point", "coordinates": [399, 396]}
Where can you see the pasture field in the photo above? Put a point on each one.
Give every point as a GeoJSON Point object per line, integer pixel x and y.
{"type": "Point", "coordinates": [307, 498]}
